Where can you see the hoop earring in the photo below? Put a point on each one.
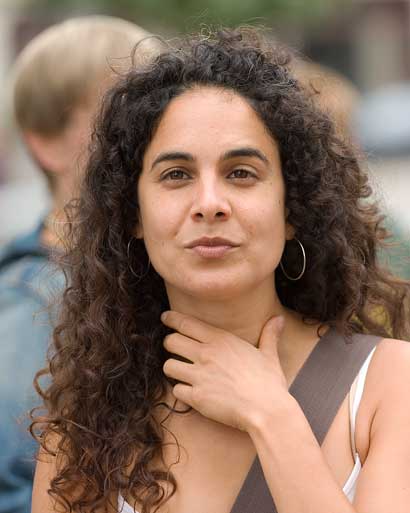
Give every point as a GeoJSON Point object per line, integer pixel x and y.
{"type": "Point", "coordinates": [302, 272]}
{"type": "Point", "coordinates": [138, 276]}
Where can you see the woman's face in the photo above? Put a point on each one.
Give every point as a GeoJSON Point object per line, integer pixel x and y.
{"type": "Point", "coordinates": [211, 197]}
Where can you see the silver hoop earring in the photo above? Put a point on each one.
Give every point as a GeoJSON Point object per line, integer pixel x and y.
{"type": "Point", "coordinates": [302, 272]}
{"type": "Point", "coordinates": [138, 276]}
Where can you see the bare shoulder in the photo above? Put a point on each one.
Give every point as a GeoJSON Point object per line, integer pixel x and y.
{"type": "Point", "coordinates": [387, 384]}
{"type": "Point", "coordinates": [384, 483]}
{"type": "Point", "coordinates": [394, 347]}
{"type": "Point", "coordinates": [389, 387]}
{"type": "Point", "coordinates": [391, 364]}
{"type": "Point", "coordinates": [46, 470]}
{"type": "Point", "coordinates": [389, 373]}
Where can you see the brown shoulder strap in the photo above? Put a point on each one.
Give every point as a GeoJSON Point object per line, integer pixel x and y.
{"type": "Point", "coordinates": [320, 387]}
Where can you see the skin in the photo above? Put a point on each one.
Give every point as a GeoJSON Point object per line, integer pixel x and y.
{"type": "Point", "coordinates": [240, 198]}
{"type": "Point", "coordinates": [64, 155]}
{"type": "Point", "coordinates": [243, 347]}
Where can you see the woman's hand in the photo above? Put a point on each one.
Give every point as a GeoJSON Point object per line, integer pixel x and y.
{"type": "Point", "coordinates": [229, 380]}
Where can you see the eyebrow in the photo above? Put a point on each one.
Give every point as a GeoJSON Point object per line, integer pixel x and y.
{"type": "Point", "coordinates": [231, 154]}
{"type": "Point", "coordinates": [172, 155]}
{"type": "Point", "coordinates": [245, 152]}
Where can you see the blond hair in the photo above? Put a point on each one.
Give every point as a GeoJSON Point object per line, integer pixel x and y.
{"type": "Point", "coordinates": [68, 64]}
{"type": "Point", "coordinates": [332, 92]}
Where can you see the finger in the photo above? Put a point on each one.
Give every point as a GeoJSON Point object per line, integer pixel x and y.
{"type": "Point", "coordinates": [191, 327]}
{"type": "Point", "coordinates": [183, 393]}
{"type": "Point", "coordinates": [183, 346]}
{"type": "Point", "coordinates": [270, 336]}
{"type": "Point", "coordinates": [180, 371]}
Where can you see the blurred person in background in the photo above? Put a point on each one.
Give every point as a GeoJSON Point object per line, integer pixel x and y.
{"type": "Point", "coordinates": [332, 92]}
{"type": "Point", "coordinates": [357, 119]}
{"type": "Point", "coordinates": [58, 80]}
{"type": "Point", "coordinates": [387, 143]}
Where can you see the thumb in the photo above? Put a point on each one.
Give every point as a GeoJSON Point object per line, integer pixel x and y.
{"type": "Point", "coordinates": [270, 336]}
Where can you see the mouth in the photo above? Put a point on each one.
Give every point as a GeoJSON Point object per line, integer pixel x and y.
{"type": "Point", "coordinates": [211, 242]}
{"type": "Point", "coordinates": [212, 247]}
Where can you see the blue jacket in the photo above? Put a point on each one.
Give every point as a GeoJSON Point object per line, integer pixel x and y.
{"type": "Point", "coordinates": [27, 285]}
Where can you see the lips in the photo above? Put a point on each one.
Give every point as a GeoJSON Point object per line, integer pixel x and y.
{"type": "Point", "coordinates": [211, 242]}
{"type": "Point", "coordinates": [212, 247]}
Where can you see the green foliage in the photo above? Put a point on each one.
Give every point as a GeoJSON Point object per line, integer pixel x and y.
{"type": "Point", "coordinates": [189, 14]}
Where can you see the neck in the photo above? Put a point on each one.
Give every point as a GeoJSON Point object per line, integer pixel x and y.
{"type": "Point", "coordinates": [55, 223]}
{"type": "Point", "coordinates": [243, 316]}
{"type": "Point", "coordinates": [53, 229]}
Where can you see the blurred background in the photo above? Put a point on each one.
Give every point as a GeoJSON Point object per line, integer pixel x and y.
{"type": "Point", "coordinates": [362, 46]}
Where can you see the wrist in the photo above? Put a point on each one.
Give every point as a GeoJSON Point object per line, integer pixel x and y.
{"type": "Point", "coordinates": [266, 419]}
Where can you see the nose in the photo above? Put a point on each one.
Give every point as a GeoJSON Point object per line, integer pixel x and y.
{"type": "Point", "coordinates": [210, 203]}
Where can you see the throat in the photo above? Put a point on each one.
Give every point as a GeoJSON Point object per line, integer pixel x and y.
{"type": "Point", "coordinates": [243, 316]}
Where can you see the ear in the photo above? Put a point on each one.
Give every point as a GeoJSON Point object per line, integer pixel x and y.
{"type": "Point", "coordinates": [138, 231]}
{"type": "Point", "coordinates": [289, 230]}
{"type": "Point", "coordinates": [46, 150]}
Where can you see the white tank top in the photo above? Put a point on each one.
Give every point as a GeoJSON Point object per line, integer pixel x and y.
{"type": "Point", "coordinates": [355, 396]}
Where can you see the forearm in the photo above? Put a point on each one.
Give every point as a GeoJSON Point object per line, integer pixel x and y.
{"type": "Point", "coordinates": [296, 472]}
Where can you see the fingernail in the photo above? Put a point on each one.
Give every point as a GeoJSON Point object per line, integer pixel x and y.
{"type": "Point", "coordinates": [164, 316]}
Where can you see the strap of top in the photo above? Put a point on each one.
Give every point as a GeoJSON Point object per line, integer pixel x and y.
{"type": "Point", "coordinates": [320, 387]}
{"type": "Point", "coordinates": [325, 378]}
{"type": "Point", "coordinates": [355, 396]}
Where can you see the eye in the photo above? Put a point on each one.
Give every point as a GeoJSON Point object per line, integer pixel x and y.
{"type": "Point", "coordinates": [242, 174]}
{"type": "Point", "coordinates": [175, 174]}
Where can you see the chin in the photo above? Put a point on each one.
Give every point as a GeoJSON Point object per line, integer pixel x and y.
{"type": "Point", "coordinates": [220, 288]}
{"type": "Point", "coordinates": [215, 293]}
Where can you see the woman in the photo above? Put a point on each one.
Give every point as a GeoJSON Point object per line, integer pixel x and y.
{"type": "Point", "coordinates": [222, 229]}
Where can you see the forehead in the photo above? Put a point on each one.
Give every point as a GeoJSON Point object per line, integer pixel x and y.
{"type": "Point", "coordinates": [207, 121]}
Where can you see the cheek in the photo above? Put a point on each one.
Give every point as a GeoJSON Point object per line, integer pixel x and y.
{"type": "Point", "coordinates": [265, 218]}
{"type": "Point", "coordinates": [159, 221]}
{"type": "Point", "coordinates": [266, 230]}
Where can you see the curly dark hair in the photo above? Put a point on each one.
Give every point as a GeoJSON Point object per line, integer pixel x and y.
{"type": "Point", "coordinates": [107, 354]}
